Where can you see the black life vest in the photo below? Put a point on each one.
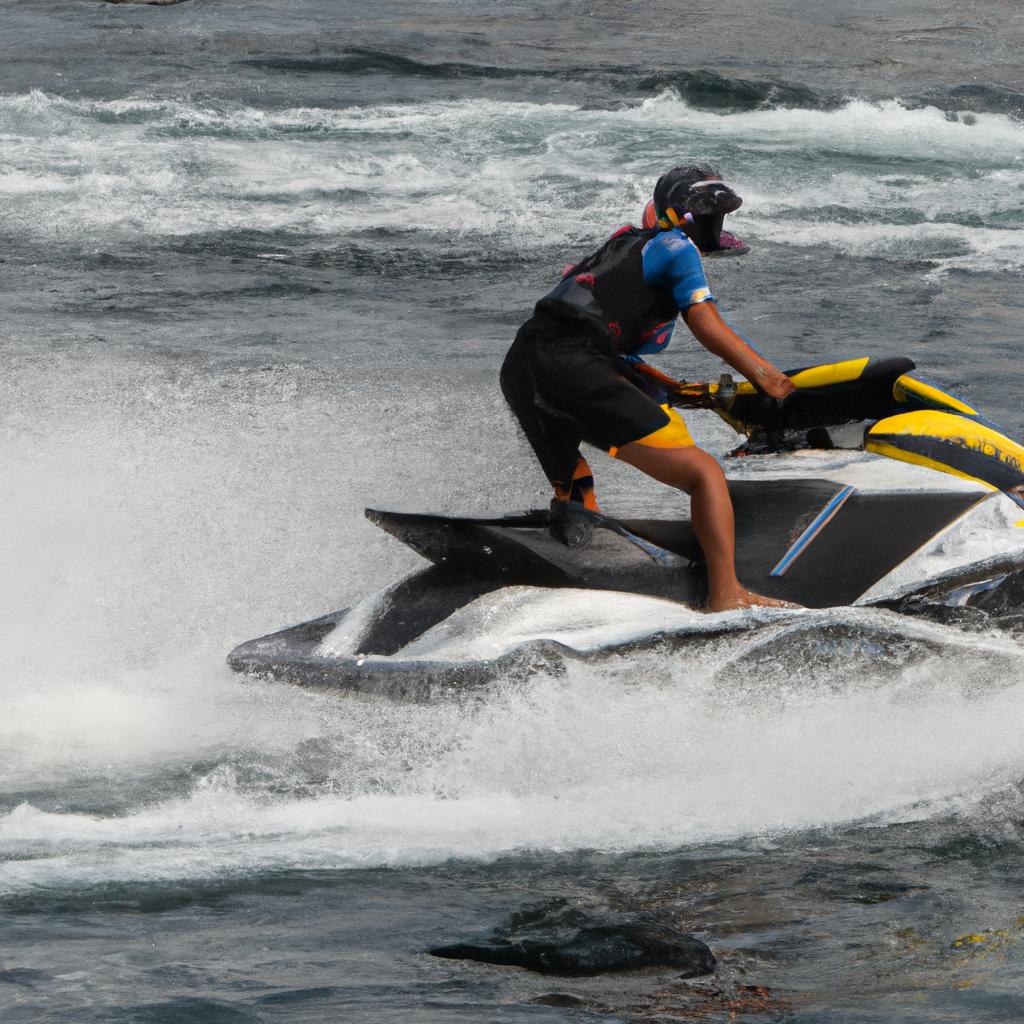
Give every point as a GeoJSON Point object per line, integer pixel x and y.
{"type": "Point", "coordinates": [607, 290]}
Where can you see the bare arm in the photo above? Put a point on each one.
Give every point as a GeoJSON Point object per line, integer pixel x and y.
{"type": "Point", "coordinates": [708, 327]}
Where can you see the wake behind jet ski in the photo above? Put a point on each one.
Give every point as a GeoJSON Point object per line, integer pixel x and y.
{"type": "Point", "coordinates": [811, 541]}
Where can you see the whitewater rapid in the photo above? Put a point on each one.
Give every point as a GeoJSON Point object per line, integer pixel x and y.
{"type": "Point", "coordinates": [899, 181]}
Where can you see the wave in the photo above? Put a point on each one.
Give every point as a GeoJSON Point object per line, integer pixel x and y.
{"type": "Point", "coordinates": [976, 97]}
{"type": "Point", "coordinates": [702, 88]}
{"type": "Point", "coordinates": [870, 179]}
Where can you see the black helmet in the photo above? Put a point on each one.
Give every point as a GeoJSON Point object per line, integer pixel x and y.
{"type": "Point", "coordinates": [695, 197]}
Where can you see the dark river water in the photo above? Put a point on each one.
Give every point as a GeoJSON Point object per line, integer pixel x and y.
{"type": "Point", "coordinates": [260, 264]}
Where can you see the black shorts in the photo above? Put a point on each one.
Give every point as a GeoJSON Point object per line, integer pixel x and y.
{"type": "Point", "coordinates": [567, 383]}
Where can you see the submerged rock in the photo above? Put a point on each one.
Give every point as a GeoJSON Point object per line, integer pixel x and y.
{"type": "Point", "coordinates": [559, 938]}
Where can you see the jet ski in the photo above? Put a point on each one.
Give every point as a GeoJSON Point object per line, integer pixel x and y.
{"type": "Point", "coordinates": [811, 540]}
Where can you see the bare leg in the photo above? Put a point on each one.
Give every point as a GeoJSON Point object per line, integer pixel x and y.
{"type": "Point", "coordinates": [694, 471]}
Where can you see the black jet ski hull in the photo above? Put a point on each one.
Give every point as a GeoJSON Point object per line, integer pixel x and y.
{"type": "Point", "coordinates": [809, 541]}
{"type": "Point", "coordinates": [290, 656]}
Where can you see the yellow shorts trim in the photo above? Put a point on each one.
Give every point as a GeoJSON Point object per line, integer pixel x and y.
{"type": "Point", "coordinates": [674, 434]}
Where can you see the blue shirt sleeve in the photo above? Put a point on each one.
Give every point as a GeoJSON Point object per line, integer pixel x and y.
{"type": "Point", "coordinates": [671, 261]}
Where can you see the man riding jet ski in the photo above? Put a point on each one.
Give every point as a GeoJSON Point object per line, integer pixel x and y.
{"type": "Point", "coordinates": [574, 372]}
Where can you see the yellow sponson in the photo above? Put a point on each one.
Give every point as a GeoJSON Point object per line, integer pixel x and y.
{"type": "Point", "coordinates": [907, 388]}
{"type": "Point", "coordinates": [830, 373]}
{"type": "Point", "coordinates": [673, 435]}
{"type": "Point", "coordinates": [949, 428]}
{"type": "Point", "coordinates": [892, 452]}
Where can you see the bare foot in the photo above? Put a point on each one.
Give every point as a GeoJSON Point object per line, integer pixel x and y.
{"type": "Point", "coordinates": [743, 598]}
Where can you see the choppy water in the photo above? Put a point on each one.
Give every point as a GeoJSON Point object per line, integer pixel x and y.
{"type": "Point", "coordinates": [260, 264]}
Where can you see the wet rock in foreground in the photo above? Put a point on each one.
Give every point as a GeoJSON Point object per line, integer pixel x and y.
{"type": "Point", "coordinates": [559, 938]}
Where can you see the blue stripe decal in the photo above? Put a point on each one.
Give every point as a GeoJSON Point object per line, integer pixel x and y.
{"type": "Point", "coordinates": [821, 520]}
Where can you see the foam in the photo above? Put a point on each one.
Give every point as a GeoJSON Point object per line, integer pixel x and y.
{"type": "Point", "coordinates": [658, 753]}
{"type": "Point", "coordinates": [859, 127]}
